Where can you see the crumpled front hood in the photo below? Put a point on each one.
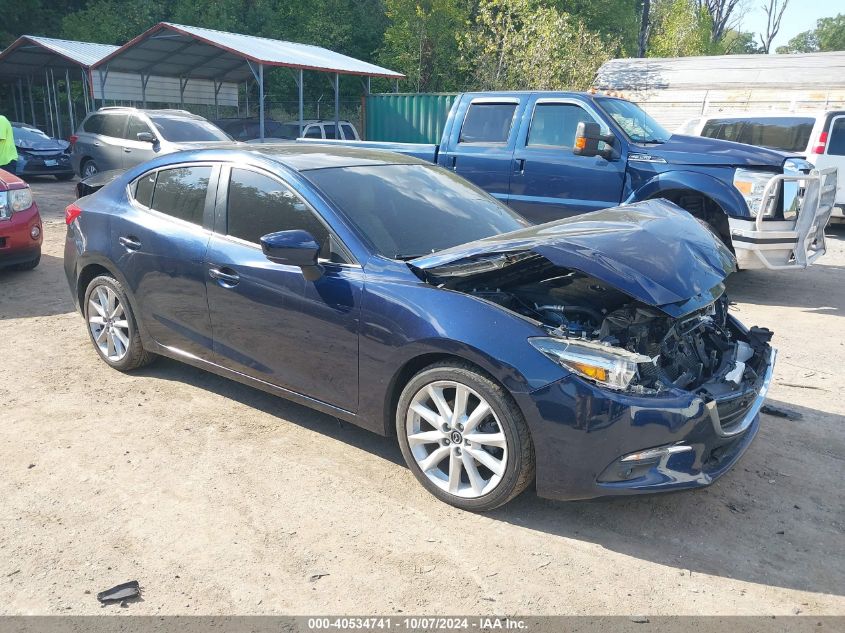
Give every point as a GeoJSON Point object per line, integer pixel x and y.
{"type": "Point", "coordinates": [53, 144]}
{"type": "Point", "coordinates": [700, 150]}
{"type": "Point", "coordinates": [653, 251]}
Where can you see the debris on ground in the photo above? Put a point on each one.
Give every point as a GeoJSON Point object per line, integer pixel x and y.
{"type": "Point", "coordinates": [120, 593]}
{"type": "Point", "coordinates": [781, 412]}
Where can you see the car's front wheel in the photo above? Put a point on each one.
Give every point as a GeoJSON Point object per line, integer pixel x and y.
{"type": "Point", "coordinates": [464, 438]}
{"type": "Point", "coordinates": [112, 325]}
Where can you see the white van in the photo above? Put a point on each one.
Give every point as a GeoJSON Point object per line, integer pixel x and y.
{"type": "Point", "coordinates": [817, 135]}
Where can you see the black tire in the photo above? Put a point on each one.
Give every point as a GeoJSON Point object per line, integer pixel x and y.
{"type": "Point", "coordinates": [88, 168]}
{"type": "Point", "coordinates": [64, 177]}
{"type": "Point", "coordinates": [136, 356]}
{"type": "Point", "coordinates": [520, 465]}
{"type": "Point", "coordinates": [32, 263]}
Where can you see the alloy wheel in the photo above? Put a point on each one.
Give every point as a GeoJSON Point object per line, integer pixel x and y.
{"type": "Point", "coordinates": [456, 439]}
{"type": "Point", "coordinates": [90, 169]}
{"type": "Point", "coordinates": [108, 323]}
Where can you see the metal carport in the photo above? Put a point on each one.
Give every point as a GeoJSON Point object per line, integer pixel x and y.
{"type": "Point", "coordinates": [186, 52]}
{"type": "Point", "coordinates": [29, 56]}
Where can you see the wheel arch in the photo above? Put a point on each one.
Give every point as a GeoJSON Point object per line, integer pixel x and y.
{"type": "Point", "coordinates": [725, 196]}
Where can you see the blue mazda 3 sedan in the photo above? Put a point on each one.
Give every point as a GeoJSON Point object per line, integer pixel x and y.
{"type": "Point", "coordinates": [592, 356]}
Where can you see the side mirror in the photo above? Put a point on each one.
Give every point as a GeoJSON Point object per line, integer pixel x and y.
{"type": "Point", "coordinates": [587, 138]}
{"type": "Point", "coordinates": [295, 248]}
{"type": "Point", "coordinates": [146, 137]}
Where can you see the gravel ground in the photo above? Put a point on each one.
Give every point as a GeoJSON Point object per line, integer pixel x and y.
{"type": "Point", "coordinates": [221, 499]}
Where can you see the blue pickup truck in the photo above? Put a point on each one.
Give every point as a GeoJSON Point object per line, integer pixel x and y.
{"type": "Point", "coordinates": [550, 155]}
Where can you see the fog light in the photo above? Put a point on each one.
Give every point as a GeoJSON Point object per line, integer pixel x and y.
{"type": "Point", "coordinates": [656, 453]}
{"type": "Point", "coordinates": [35, 231]}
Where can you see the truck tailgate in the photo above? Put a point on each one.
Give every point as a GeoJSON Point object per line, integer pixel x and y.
{"type": "Point", "coordinates": [423, 151]}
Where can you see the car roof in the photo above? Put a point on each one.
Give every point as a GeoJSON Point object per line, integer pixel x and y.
{"type": "Point", "coordinates": [157, 112]}
{"type": "Point", "coordinates": [768, 114]}
{"type": "Point", "coordinates": [296, 156]}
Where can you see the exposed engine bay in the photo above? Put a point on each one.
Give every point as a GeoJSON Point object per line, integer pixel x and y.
{"type": "Point", "coordinates": [704, 352]}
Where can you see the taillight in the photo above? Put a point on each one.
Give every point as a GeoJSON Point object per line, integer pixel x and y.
{"type": "Point", "coordinates": [819, 148]}
{"type": "Point", "coordinates": [71, 213]}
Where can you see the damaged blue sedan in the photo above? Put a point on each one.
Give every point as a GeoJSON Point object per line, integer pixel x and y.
{"type": "Point", "coordinates": [593, 356]}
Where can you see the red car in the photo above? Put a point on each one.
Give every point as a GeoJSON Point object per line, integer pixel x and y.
{"type": "Point", "coordinates": [21, 232]}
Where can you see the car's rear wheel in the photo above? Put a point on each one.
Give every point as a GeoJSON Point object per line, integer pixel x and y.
{"type": "Point", "coordinates": [112, 326]}
{"type": "Point", "coordinates": [89, 168]}
{"type": "Point", "coordinates": [463, 437]}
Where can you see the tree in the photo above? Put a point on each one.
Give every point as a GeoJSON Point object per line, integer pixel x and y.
{"type": "Point", "coordinates": [645, 22]}
{"type": "Point", "coordinates": [723, 13]}
{"type": "Point", "coordinates": [774, 13]}
{"type": "Point", "coordinates": [520, 44]}
{"type": "Point", "coordinates": [739, 43]}
{"type": "Point", "coordinates": [421, 41]}
{"type": "Point", "coordinates": [679, 28]}
{"type": "Point", "coordinates": [112, 21]}
{"type": "Point", "coordinates": [829, 35]}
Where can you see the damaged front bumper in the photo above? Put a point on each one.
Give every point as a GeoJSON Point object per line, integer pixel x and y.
{"type": "Point", "coordinates": [788, 243]}
{"type": "Point", "coordinates": [595, 442]}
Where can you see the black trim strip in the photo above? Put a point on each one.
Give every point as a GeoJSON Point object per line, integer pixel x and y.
{"type": "Point", "coordinates": [765, 240]}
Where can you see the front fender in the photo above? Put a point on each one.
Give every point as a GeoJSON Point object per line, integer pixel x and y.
{"type": "Point", "coordinates": [723, 194]}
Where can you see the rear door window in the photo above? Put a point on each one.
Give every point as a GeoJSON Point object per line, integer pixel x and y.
{"type": "Point", "coordinates": [313, 131]}
{"type": "Point", "coordinates": [135, 127]}
{"type": "Point", "coordinates": [181, 192]}
{"type": "Point", "coordinates": [488, 123]}
{"type": "Point", "coordinates": [329, 130]}
{"type": "Point", "coordinates": [144, 186]}
{"type": "Point", "coordinates": [555, 124]}
{"type": "Point", "coordinates": [836, 138]}
{"type": "Point", "coordinates": [114, 125]}
{"type": "Point", "coordinates": [348, 132]}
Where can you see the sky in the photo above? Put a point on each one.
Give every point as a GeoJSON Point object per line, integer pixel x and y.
{"type": "Point", "coordinates": [800, 15]}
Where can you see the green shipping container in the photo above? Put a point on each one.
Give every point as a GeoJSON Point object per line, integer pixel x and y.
{"type": "Point", "coordinates": [407, 118]}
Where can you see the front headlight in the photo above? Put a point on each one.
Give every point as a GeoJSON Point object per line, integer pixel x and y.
{"type": "Point", "coordinates": [20, 199]}
{"type": "Point", "coordinates": [604, 364]}
{"type": "Point", "coordinates": [751, 184]}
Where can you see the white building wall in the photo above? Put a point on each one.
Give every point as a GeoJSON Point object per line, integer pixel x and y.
{"type": "Point", "coordinates": [127, 87]}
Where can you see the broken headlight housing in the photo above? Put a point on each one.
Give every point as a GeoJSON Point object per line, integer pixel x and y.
{"type": "Point", "coordinates": [751, 184]}
{"type": "Point", "coordinates": [606, 365]}
{"type": "Point", "coordinates": [13, 201]}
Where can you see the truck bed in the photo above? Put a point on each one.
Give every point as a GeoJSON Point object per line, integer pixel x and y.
{"type": "Point", "coordinates": [423, 151]}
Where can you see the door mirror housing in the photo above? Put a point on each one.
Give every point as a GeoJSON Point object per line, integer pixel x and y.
{"type": "Point", "coordinates": [587, 138]}
{"type": "Point", "coordinates": [294, 248]}
{"type": "Point", "coordinates": [146, 137]}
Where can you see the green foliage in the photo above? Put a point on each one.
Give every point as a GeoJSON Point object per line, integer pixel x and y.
{"type": "Point", "coordinates": [522, 44]}
{"type": "Point", "coordinates": [738, 43]}
{"type": "Point", "coordinates": [679, 29]}
{"type": "Point", "coordinates": [111, 21]}
{"type": "Point", "coordinates": [829, 35]}
{"type": "Point", "coordinates": [422, 42]}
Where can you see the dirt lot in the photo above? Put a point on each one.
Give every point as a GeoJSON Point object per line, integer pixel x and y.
{"type": "Point", "coordinates": [222, 499]}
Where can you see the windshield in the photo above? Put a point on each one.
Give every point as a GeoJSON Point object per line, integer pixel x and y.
{"type": "Point", "coordinates": [29, 135]}
{"type": "Point", "coordinates": [405, 211]}
{"type": "Point", "coordinates": [634, 121]}
{"type": "Point", "coordinates": [185, 130]}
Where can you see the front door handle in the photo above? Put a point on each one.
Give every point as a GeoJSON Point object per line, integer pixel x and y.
{"type": "Point", "coordinates": [130, 242]}
{"type": "Point", "coordinates": [226, 276]}
{"type": "Point", "coordinates": [127, 150]}
{"type": "Point", "coordinates": [454, 163]}
{"type": "Point", "coordinates": [519, 166]}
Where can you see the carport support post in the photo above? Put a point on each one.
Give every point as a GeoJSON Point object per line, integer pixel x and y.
{"type": "Point", "coordinates": [15, 102]}
{"type": "Point", "coordinates": [31, 102]}
{"type": "Point", "coordinates": [48, 102]}
{"type": "Point", "coordinates": [301, 114]}
{"type": "Point", "coordinates": [56, 104]}
{"type": "Point", "coordinates": [261, 100]}
{"type": "Point", "coordinates": [217, 87]}
{"type": "Point", "coordinates": [69, 102]}
{"type": "Point", "coordinates": [337, 105]}
{"type": "Point", "coordinates": [85, 91]}
{"type": "Point", "coordinates": [144, 79]}
{"type": "Point", "coordinates": [20, 96]}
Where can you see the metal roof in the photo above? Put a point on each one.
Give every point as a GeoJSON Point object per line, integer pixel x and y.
{"type": "Point", "coordinates": [31, 54]}
{"type": "Point", "coordinates": [803, 70]}
{"type": "Point", "coordinates": [176, 50]}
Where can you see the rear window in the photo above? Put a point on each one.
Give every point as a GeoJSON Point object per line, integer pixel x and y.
{"type": "Point", "coordinates": [836, 138]}
{"type": "Point", "coordinates": [185, 130]}
{"type": "Point", "coordinates": [93, 124]}
{"type": "Point", "coordinates": [348, 132]}
{"type": "Point", "coordinates": [488, 123]}
{"type": "Point", "coordinates": [180, 192]}
{"type": "Point", "coordinates": [314, 132]}
{"type": "Point", "coordinates": [329, 129]}
{"type": "Point", "coordinates": [789, 134]}
{"type": "Point", "coordinates": [114, 125]}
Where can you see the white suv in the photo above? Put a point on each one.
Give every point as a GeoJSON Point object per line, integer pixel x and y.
{"type": "Point", "coordinates": [818, 135]}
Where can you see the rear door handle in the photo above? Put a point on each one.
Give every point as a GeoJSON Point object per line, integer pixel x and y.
{"type": "Point", "coordinates": [131, 243]}
{"type": "Point", "coordinates": [127, 149]}
{"type": "Point", "coordinates": [226, 276]}
{"type": "Point", "coordinates": [98, 144]}
{"type": "Point", "coordinates": [454, 163]}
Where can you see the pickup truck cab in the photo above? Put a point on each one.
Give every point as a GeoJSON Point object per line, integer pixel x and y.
{"type": "Point", "coordinates": [550, 155]}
